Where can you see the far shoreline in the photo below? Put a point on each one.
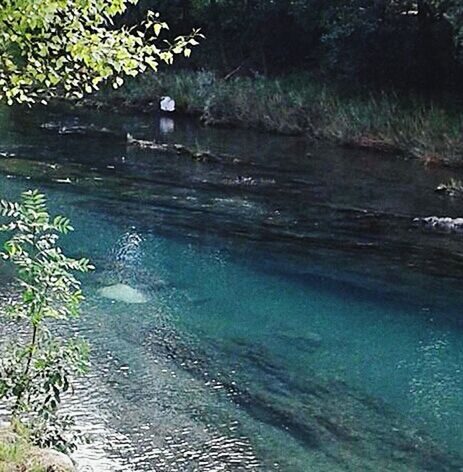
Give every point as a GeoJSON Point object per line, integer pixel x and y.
{"type": "Point", "coordinates": [299, 105]}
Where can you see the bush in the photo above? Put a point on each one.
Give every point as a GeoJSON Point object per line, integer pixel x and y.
{"type": "Point", "coordinates": [37, 367]}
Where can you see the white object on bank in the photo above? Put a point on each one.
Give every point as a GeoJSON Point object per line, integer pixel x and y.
{"type": "Point", "coordinates": [167, 104]}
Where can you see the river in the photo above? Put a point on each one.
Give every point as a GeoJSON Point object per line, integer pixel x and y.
{"type": "Point", "coordinates": [297, 320]}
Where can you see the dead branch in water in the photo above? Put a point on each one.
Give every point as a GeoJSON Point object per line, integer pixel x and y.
{"type": "Point", "coordinates": [182, 150]}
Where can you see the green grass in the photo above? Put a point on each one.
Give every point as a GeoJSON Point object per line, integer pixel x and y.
{"type": "Point", "coordinates": [16, 458]}
{"type": "Point", "coordinates": [302, 105]}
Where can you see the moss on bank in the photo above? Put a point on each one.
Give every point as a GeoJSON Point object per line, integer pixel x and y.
{"type": "Point", "coordinates": [301, 105]}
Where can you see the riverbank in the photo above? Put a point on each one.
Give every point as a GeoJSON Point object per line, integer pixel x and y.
{"type": "Point", "coordinates": [17, 454]}
{"type": "Point", "coordinates": [300, 105]}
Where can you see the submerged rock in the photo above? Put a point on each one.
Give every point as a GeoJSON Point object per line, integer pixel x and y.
{"type": "Point", "coordinates": [345, 428]}
{"type": "Point", "coordinates": [308, 342]}
{"type": "Point", "coordinates": [123, 293]}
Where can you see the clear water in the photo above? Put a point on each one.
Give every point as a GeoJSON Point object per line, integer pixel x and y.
{"type": "Point", "coordinates": [297, 319]}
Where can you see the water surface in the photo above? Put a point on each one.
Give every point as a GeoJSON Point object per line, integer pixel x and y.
{"type": "Point", "coordinates": [297, 318]}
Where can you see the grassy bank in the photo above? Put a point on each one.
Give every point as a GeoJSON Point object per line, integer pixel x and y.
{"type": "Point", "coordinates": [17, 457]}
{"type": "Point", "coordinates": [303, 106]}
{"type": "Point", "coordinates": [17, 454]}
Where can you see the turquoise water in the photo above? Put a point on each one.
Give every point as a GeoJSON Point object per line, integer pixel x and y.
{"type": "Point", "coordinates": [297, 319]}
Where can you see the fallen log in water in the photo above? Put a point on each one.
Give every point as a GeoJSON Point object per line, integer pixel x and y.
{"type": "Point", "coordinates": [180, 149]}
{"type": "Point", "coordinates": [77, 130]}
{"type": "Point", "coordinates": [93, 131]}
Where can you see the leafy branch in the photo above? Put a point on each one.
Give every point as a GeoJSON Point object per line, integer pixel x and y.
{"type": "Point", "coordinates": [38, 369]}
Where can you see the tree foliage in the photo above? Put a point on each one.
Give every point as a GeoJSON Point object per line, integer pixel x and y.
{"type": "Point", "coordinates": [393, 42]}
{"type": "Point", "coordinates": [405, 43]}
{"type": "Point", "coordinates": [71, 47]}
{"type": "Point", "coordinates": [38, 367]}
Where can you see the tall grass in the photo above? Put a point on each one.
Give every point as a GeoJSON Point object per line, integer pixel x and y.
{"type": "Point", "coordinates": [301, 105]}
{"type": "Point", "coordinates": [17, 457]}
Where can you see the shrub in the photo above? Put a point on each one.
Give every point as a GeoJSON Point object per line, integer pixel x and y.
{"type": "Point", "coordinates": [38, 367]}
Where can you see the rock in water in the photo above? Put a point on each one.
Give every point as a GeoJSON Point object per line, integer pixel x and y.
{"type": "Point", "coordinates": [123, 293]}
{"type": "Point", "coordinates": [49, 459]}
{"type": "Point", "coordinates": [167, 104]}
{"type": "Point", "coordinates": [442, 223]}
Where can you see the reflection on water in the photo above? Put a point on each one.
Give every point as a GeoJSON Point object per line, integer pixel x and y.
{"type": "Point", "coordinates": [166, 125]}
{"type": "Point", "coordinates": [435, 380]}
{"type": "Point", "coordinates": [297, 319]}
{"type": "Point", "coordinates": [128, 251]}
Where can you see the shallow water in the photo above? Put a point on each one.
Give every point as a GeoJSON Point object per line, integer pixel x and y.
{"type": "Point", "coordinates": [297, 318]}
